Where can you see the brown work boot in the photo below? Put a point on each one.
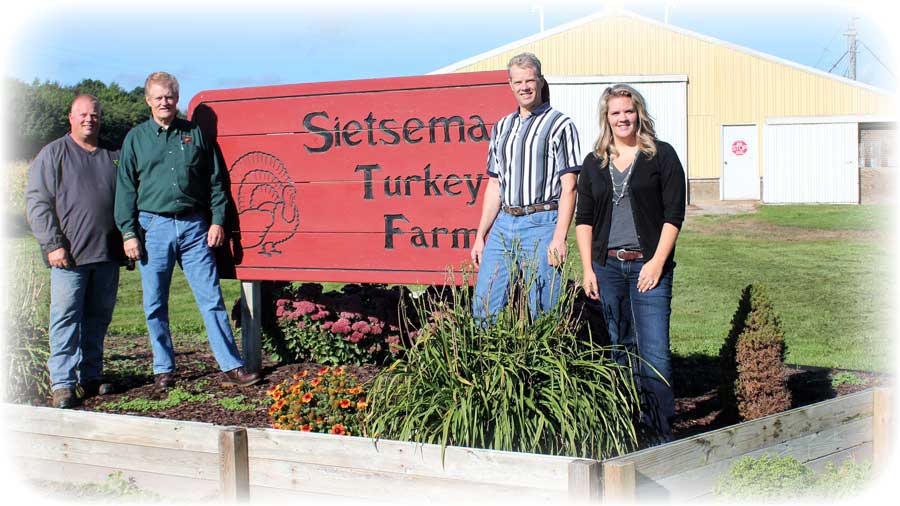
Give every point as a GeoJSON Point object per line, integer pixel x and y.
{"type": "Point", "coordinates": [241, 378]}
{"type": "Point", "coordinates": [97, 387]}
{"type": "Point", "coordinates": [164, 380]}
{"type": "Point", "coordinates": [64, 398]}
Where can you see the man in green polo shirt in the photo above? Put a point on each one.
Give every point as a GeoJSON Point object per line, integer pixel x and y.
{"type": "Point", "coordinates": [170, 207]}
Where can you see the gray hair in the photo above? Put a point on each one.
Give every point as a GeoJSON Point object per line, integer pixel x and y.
{"type": "Point", "coordinates": [526, 60]}
{"type": "Point", "coordinates": [161, 78]}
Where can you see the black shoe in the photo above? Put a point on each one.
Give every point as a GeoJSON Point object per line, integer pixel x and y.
{"type": "Point", "coordinates": [164, 380]}
{"type": "Point", "coordinates": [64, 398]}
{"type": "Point", "coordinates": [241, 378]}
{"type": "Point", "coordinates": [97, 387]}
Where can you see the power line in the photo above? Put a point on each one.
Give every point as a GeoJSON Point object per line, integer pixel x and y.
{"type": "Point", "coordinates": [838, 62]}
{"type": "Point", "coordinates": [825, 49]}
{"type": "Point", "coordinates": [877, 59]}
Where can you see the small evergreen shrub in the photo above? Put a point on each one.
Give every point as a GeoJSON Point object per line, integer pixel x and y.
{"type": "Point", "coordinates": [752, 359]}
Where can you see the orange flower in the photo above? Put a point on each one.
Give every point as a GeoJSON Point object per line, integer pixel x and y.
{"type": "Point", "coordinates": [278, 395]}
{"type": "Point", "coordinates": [304, 374]}
{"type": "Point", "coordinates": [339, 370]}
{"type": "Point", "coordinates": [305, 428]}
{"type": "Point", "coordinates": [354, 391]}
{"type": "Point", "coordinates": [315, 382]}
{"type": "Point", "coordinates": [271, 391]}
{"type": "Point", "coordinates": [361, 405]}
{"type": "Point", "coordinates": [345, 403]}
{"type": "Point", "coordinates": [323, 371]}
{"type": "Point", "coordinates": [278, 405]}
{"type": "Point", "coordinates": [338, 429]}
{"type": "Point", "coordinates": [307, 397]}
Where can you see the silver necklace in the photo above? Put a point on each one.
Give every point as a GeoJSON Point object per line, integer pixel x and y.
{"type": "Point", "coordinates": [619, 190]}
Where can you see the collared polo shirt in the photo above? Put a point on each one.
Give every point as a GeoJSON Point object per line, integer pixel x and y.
{"type": "Point", "coordinates": [528, 155]}
{"type": "Point", "coordinates": [169, 170]}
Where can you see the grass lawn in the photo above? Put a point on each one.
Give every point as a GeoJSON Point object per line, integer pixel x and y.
{"type": "Point", "coordinates": [823, 266]}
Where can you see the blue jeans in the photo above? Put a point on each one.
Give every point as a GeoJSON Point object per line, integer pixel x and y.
{"type": "Point", "coordinates": [81, 306]}
{"type": "Point", "coordinates": [182, 239]}
{"type": "Point", "coordinates": [517, 245]}
{"type": "Point", "coordinates": [639, 323]}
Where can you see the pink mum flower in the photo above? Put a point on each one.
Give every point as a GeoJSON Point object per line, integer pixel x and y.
{"type": "Point", "coordinates": [341, 326]}
{"type": "Point", "coordinates": [361, 327]}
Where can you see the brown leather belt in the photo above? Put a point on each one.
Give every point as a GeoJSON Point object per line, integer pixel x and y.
{"type": "Point", "coordinates": [624, 254]}
{"type": "Point", "coordinates": [533, 208]}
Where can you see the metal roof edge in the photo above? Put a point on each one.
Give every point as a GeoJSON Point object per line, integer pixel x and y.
{"type": "Point", "coordinates": [683, 31]}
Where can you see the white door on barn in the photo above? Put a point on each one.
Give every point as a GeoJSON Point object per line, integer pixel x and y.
{"type": "Point", "coordinates": [740, 168]}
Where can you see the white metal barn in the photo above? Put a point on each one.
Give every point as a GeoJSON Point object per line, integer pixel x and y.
{"type": "Point", "coordinates": [813, 159]}
{"type": "Point", "coordinates": [576, 96]}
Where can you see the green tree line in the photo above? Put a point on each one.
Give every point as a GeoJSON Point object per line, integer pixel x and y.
{"type": "Point", "coordinates": [38, 113]}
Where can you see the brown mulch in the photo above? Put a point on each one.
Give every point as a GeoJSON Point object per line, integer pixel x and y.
{"type": "Point", "coordinates": [695, 382]}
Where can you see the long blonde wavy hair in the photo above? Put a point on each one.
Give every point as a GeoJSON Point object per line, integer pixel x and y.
{"type": "Point", "coordinates": [604, 146]}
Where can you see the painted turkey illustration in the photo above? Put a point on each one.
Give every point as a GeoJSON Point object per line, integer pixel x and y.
{"type": "Point", "coordinates": [266, 202]}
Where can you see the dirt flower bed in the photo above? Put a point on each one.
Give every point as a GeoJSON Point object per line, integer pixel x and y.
{"type": "Point", "coordinates": [200, 396]}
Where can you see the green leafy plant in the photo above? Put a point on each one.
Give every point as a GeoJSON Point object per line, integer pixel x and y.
{"type": "Point", "coordinates": [766, 477]}
{"type": "Point", "coordinates": [174, 397]}
{"type": "Point", "coordinates": [27, 345]}
{"type": "Point", "coordinates": [770, 477]}
{"type": "Point", "coordinates": [237, 403]}
{"type": "Point", "coordinates": [311, 332]}
{"type": "Point", "coordinates": [846, 378]}
{"type": "Point", "coordinates": [514, 384]}
{"type": "Point", "coordinates": [331, 401]}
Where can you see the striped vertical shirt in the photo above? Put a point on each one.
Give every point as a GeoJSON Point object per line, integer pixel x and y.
{"type": "Point", "coordinates": [528, 155]}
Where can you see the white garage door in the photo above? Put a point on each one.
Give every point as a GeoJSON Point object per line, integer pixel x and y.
{"type": "Point", "coordinates": [666, 97]}
{"type": "Point", "coordinates": [811, 162]}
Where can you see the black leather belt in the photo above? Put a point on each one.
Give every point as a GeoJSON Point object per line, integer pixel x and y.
{"type": "Point", "coordinates": [533, 208]}
{"type": "Point", "coordinates": [625, 254]}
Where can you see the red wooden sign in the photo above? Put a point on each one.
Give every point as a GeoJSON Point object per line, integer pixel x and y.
{"type": "Point", "coordinates": [356, 181]}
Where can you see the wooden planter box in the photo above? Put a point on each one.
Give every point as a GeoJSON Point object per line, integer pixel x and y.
{"type": "Point", "coordinates": [192, 460]}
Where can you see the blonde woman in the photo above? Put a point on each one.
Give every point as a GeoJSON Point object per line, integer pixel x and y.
{"type": "Point", "coordinates": [631, 199]}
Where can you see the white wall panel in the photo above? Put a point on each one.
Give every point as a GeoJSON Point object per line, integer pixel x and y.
{"type": "Point", "coordinates": [579, 96]}
{"type": "Point", "coordinates": [811, 162]}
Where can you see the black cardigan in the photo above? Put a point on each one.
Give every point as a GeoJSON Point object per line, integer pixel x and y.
{"type": "Point", "coordinates": [657, 192]}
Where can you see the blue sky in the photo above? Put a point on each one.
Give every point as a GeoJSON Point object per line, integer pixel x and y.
{"type": "Point", "coordinates": [211, 45]}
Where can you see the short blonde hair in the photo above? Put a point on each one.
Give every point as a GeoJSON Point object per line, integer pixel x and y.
{"type": "Point", "coordinates": [161, 78]}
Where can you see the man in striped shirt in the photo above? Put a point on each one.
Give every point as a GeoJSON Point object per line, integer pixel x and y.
{"type": "Point", "coordinates": [533, 164]}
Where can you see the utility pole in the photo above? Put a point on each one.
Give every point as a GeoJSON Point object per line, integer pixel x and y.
{"type": "Point", "coordinates": [540, 10]}
{"type": "Point", "coordinates": [851, 49]}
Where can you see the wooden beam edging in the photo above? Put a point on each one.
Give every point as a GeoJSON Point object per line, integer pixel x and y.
{"type": "Point", "coordinates": [881, 428]}
{"type": "Point", "coordinates": [585, 481]}
{"type": "Point", "coordinates": [619, 482]}
{"type": "Point", "coordinates": [234, 465]}
{"type": "Point", "coordinates": [711, 447]}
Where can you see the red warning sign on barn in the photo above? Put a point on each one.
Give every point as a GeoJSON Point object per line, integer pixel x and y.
{"type": "Point", "coordinates": [739, 147]}
{"type": "Point", "coordinates": [355, 181]}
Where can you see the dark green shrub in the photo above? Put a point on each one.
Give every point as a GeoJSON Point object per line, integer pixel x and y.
{"type": "Point", "coordinates": [752, 359]}
{"type": "Point", "coordinates": [517, 384]}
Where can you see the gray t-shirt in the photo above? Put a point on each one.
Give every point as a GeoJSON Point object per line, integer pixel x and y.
{"type": "Point", "coordinates": [622, 232]}
{"type": "Point", "coordinates": [70, 197]}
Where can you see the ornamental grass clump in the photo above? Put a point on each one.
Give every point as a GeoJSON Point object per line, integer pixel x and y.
{"type": "Point", "coordinates": [331, 401]}
{"type": "Point", "coordinates": [514, 384]}
{"type": "Point", "coordinates": [752, 359]}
